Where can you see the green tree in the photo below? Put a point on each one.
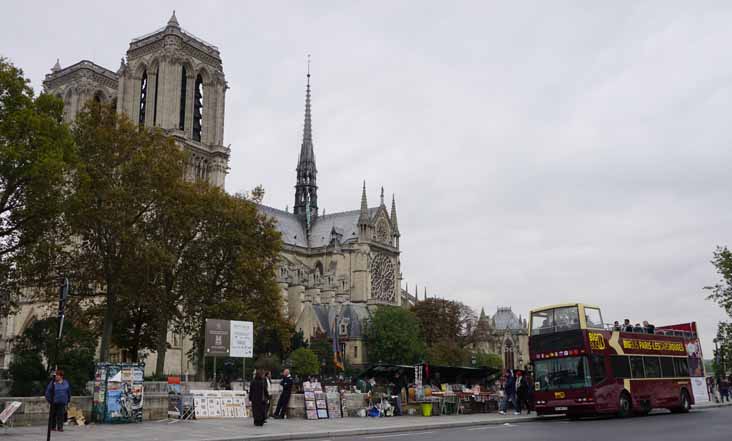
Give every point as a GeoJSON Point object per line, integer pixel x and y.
{"type": "Point", "coordinates": [721, 293]}
{"type": "Point", "coordinates": [304, 363]}
{"type": "Point", "coordinates": [394, 336]}
{"type": "Point", "coordinates": [232, 272]}
{"type": "Point", "coordinates": [37, 345]}
{"type": "Point", "coordinates": [36, 149]}
{"type": "Point", "coordinates": [121, 180]}
{"type": "Point", "coordinates": [445, 320]}
{"type": "Point", "coordinates": [447, 353]}
{"type": "Point", "coordinates": [487, 359]}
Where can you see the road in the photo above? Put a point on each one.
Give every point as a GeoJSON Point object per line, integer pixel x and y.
{"type": "Point", "coordinates": [699, 425]}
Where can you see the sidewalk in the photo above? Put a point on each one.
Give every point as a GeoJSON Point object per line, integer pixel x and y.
{"type": "Point", "coordinates": [242, 429]}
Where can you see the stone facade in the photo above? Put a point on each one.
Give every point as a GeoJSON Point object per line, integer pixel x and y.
{"type": "Point", "coordinates": [507, 335]}
{"type": "Point", "coordinates": [171, 80]}
{"type": "Point", "coordinates": [336, 268]}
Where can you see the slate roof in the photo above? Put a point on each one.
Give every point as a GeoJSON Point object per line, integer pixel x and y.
{"type": "Point", "coordinates": [506, 319]}
{"type": "Point", "coordinates": [293, 230]}
{"type": "Point", "coordinates": [356, 313]}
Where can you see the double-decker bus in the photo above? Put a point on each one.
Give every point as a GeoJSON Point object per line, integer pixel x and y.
{"type": "Point", "coordinates": [583, 367]}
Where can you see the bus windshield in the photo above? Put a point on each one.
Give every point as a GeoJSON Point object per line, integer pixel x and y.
{"type": "Point", "coordinates": [562, 373]}
{"type": "Point", "coordinates": [555, 320]}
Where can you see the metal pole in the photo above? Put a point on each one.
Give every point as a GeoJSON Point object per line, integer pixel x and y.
{"type": "Point", "coordinates": [244, 372]}
{"type": "Point", "coordinates": [62, 296]}
{"type": "Point", "coordinates": [216, 385]}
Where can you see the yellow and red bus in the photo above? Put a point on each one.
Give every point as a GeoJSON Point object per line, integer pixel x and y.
{"type": "Point", "coordinates": [583, 367]}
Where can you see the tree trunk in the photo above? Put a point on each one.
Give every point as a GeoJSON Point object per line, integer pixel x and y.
{"type": "Point", "coordinates": [108, 322]}
{"type": "Point", "coordinates": [161, 346]}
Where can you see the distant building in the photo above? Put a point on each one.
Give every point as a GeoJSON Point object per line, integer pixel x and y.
{"type": "Point", "coordinates": [507, 335]}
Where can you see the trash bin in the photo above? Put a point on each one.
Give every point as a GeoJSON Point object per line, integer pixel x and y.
{"type": "Point", "coordinates": [426, 409]}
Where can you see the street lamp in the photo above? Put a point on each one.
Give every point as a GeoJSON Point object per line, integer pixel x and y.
{"type": "Point", "coordinates": [716, 357]}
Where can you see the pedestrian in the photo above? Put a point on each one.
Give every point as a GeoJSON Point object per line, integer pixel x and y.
{"type": "Point", "coordinates": [522, 391]}
{"type": "Point", "coordinates": [258, 396]}
{"type": "Point", "coordinates": [528, 402]}
{"type": "Point", "coordinates": [509, 393]}
{"type": "Point", "coordinates": [58, 395]}
{"type": "Point", "coordinates": [723, 390]}
{"type": "Point", "coordinates": [284, 400]}
{"type": "Point", "coordinates": [396, 391]}
{"type": "Point", "coordinates": [268, 379]}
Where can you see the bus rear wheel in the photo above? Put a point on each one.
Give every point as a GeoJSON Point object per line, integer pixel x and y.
{"type": "Point", "coordinates": [624, 405]}
{"type": "Point", "coordinates": [684, 403]}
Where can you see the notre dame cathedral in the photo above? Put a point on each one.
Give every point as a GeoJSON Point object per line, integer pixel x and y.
{"type": "Point", "coordinates": [334, 269]}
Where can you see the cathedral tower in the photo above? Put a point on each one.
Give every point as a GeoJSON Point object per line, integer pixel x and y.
{"type": "Point", "coordinates": [175, 81]}
{"type": "Point", "coordinates": [306, 189]}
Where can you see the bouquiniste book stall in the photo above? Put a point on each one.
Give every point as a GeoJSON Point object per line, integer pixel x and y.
{"type": "Point", "coordinates": [321, 405]}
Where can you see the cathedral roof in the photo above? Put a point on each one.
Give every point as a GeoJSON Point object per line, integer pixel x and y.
{"type": "Point", "coordinates": [105, 75]}
{"type": "Point", "coordinates": [506, 319]}
{"type": "Point", "coordinates": [355, 314]}
{"type": "Point", "coordinates": [293, 230]}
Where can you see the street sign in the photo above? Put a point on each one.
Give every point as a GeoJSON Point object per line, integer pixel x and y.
{"type": "Point", "coordinates": [217, 337]}
{"type": "Point", "coordinates": [242, 339]}
{"type": "Point", "coordinates": [229, 338]}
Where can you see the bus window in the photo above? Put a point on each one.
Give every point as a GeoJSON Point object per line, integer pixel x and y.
{"type": "Point", "coordinates": [636, 367]}
{"type": "Point", "coordinates": [593, 318]}
{"type": "Point", "coordinates": [681, 367]}
{"type": "Point", "coordinates": [620, 366]}
{"type": "Point", "coordinates": [542, 322]}
{"type": "Point", "coordinates": [667, 367]}
{"type": "Point", "coordinates": [652, 367]}
{"type": "Point", "coordinates": [597, 368]}
{"type": "Point", "coordinates": [566, 318]}
{"type": "Point", "coordinates": [562, 373]}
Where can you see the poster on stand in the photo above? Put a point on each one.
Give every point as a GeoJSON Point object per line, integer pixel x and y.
{"type": "Point", "coordinates": [699, 388]}
{"type": "Point", "coordinates": [118, 393]}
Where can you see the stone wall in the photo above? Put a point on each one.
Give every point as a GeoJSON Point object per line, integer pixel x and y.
{"type": "Point", "coordinates": [34, 410]}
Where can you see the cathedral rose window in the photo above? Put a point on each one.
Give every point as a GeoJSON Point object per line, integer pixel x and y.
{"type": "Point", "coordinates": [382, 278]}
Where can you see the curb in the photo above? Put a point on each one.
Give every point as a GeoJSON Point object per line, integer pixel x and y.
{"type": "Point", "coordinates": [413, 428]}
{"type": "Point", "coordinates": [385, 430]}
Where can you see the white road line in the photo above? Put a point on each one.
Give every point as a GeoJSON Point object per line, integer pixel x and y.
{"type": "Point", "coordinates": [397, 434]}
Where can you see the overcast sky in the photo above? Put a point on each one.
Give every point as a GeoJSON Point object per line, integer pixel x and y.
{"type": "Point", "coordinates": [539, 152]}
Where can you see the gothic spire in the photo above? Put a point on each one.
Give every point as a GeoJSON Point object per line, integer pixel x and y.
{"type": "Point", "coordinates": [382, 196]}
{"type": "Point", "coordinates": [306, 170]}
{"type": "Point", "coordinates": [363, 217]}
{"type": "Point", "coordinates": [394, 223]}
{"type": "Point", "coordinates": [173, 21]}
{"type": "Point", "coordinates": [56, 67]}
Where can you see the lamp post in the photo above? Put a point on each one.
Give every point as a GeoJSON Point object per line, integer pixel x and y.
{"type": "Point", "coordinates": [716, 358]}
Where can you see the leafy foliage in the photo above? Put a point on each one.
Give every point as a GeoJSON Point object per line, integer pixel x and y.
{"type": "Point", "coordinates": [394, 336]}
{"type": "Point", "coordinates": [488, 359]}
{"type": "Point", "coordinates": [721, 293]}
{"type": "Point", "coordinates": [445, 321]}
{"type": "Point", "coordinates": [38, 343]}
{"type": "Point", "coordinates": [304, 363]}
{"type": "Point", "coordinates": [35, 152]}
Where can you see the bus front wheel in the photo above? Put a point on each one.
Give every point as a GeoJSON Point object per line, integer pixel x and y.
{"type": "Point", "coordinates": [624, 405]}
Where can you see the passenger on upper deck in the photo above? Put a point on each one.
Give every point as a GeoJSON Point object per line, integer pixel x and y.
{"type": "Point", "coordinates": [616, 326]}
{"type": "Point", "coordinates": [627, 327]}
{"type": "Point", "coordinates": [651, 329]}
{"type": "Point", "coordinates": [638, 328]}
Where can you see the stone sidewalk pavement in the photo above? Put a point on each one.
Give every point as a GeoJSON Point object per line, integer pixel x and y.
{"type": "Point", "coordinates": [242, 429]}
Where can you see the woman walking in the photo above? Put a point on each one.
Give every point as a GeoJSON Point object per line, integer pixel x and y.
{"type": "Point", "coordinates": [258, 395]}
{"type": "Point", "coordinates": [58, 395]}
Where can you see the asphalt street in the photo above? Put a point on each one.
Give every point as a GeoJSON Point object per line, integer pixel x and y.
{"type": "Point", "coordinates": [698, 425]}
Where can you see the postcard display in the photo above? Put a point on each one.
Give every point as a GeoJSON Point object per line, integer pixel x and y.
{"type": "Point", "coordinates": [219, 403]}
{"type": "Point", "coordinates": [319, 404]}
{"type": "Point", "coordinates": [118, 392]}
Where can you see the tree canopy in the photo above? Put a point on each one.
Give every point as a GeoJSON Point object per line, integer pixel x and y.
{"type": "Point", "coordinates": [721, 293]}
{"type": "Point", "coordinates": [36, 149]}
{"type": "Point", "coordinates": [394, 336]}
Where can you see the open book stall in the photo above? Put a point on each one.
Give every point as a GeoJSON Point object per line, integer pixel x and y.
{"type": "Point", "coordinates": [321, 404]}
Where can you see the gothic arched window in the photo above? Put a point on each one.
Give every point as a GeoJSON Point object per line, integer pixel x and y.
{"type": "Point", "coordinates": [198, 109]}
{"type": "Point", "coordinates": [143, 96]}
{"type": "Point", "coordinates": [508, 361]}
{"type": "Point", "coordinates": [155, 103]}
{"type": "Point", "coordinates": [183, 87]}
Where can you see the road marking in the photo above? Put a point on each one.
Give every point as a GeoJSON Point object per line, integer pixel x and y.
{"type": "Point", "coordinates": [398, 434]}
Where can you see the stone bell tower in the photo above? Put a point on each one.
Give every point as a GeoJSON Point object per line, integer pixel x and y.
{"type": "Point", "coordinates": [175, 81]}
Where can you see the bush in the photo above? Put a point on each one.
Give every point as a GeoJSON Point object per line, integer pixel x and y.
{"type": "Point", "coordinates": [38, 344]}
{"type": "Point", "coordinates": [304, 363]}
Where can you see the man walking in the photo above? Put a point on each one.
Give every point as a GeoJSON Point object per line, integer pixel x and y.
{"type": "Point", "coordinates": [284, 400]}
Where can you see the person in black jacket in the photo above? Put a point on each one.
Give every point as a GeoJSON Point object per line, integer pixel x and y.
{"type": "Point", "coordinates": [258, 395]}
{"type": "Point", "coordinates": [284, 400]}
